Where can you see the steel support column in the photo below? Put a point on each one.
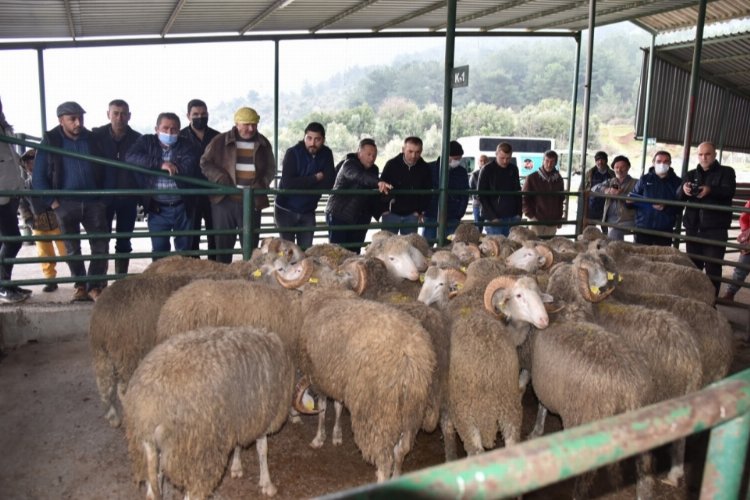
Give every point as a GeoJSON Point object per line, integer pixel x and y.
{"type": "Point", "coordinates": [42, 88]}
{"type": "Point", "coordinates": [694, 86]}
{"type": "Point", "coordinates": [647, 107]}
{"type": "Point", "coordinates": [574, 104]}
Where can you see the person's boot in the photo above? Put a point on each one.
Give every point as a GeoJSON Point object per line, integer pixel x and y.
{"type": "Point", "coordinates": [121, 266]}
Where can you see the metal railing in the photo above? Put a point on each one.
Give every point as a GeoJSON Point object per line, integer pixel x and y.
{"type": "Point", "coordinates": [721, 408]}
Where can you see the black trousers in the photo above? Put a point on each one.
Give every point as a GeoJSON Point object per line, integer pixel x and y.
{"type": "Point", "coordinates": [227, 214]}
{"type": "Point", "coordinates": [713, 270]}
{"type": "Point", "coordinates": [9, 227]}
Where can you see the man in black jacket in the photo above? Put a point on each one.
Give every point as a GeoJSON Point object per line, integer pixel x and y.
{"type": "Point", "coordinates": [114, 140]}
{"type": "Point", "coordinates": [713, 184]}
{"type": "Point", "coordinates": [407, 172]}
{"type": "Point", "coordinates": [500, 175]}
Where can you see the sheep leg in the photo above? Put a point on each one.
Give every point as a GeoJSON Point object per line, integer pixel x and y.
{"type": "Point", "coordinates": [338, 438]}
{"type": "Point", "coordinates": [320, 437]}
{"type": "Point", "coordinates": [582, 485]}
{"type": "Point", "coordinates": [473, 445]}
{"type": "Point", "coordinates": [236, 468]}
{"type": "Point", "coordinates": [541, 417]}
{"type": "Point", "coordinates": [523, 379]}
{"type": "Point", "coordinates": [153, 488]}
{"type": "Point", "coordinates": [402, 448]}
{"type": "Point", "coordinates": [449, 437]}
{"type": "Point", "coordinates": [677, 471]}
{"type": "Point", "coordinates": [644, 487]}
{"type": "Point", "coordinates": [265, 483]}
{"type": "Point", "coordinates": [105, 382]}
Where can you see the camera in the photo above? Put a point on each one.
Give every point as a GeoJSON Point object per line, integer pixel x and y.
{"type": "Point", "coordinates": [694, 188]}
{"type": "Point", "coordinates": [615, 185]}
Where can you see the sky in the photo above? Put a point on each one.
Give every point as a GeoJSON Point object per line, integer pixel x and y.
{"type": "Point", "coordinates": [160, 78]}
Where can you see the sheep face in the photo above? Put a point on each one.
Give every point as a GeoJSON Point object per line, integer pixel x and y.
{"type": "Point", "coordinates": [404, 264]}
{"type": "Point", "coordinates": [466, 252]}
{"type": "Point", "coordinates": [440, 284]}
{"type": "Point", "coordinates": [530, 258]}
{"type": "Point", "coordinates": [518, 300]}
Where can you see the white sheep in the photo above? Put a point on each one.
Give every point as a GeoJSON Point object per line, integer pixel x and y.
{"type": "Point", "coordinates": [197, 397]}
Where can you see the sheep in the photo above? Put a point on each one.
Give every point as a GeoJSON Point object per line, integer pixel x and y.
{"type": "Point", "coordinates": [370, 279]}
{"type": "Point", "coordinates": [445, 258]}
{"type": "Point", "coordinates": [179, 264]}
{"type": "Point", "coordinates": [531, 257]}
{"type": "Point", "coordinates": [522, 233]}
{"type": "Point", "coordinates": [467, 232]}
{"type": "Point", "coordinates": [483, 388]}
{"type": "Point", "coordinates": [310, 272]}
{"type": "Point", "coordinates": [288, 250]}
{"type": "Point", "coordinates": [122, 331]}
{"type": "Point", "coordinates": [329, 253]}
{"type": "Point", "coordinates": [498, 246]}
{"type": "Point", "coordinates": [401, 258]}
{"type": "Point", "coordinates": [466, 252]}
{"type": "Point", "coordinates": [197, 397]}
{"type": "Point", "coordinates": [378, 361]}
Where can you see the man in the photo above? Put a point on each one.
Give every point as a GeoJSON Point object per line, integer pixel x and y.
{"type": "Point", "coordinates": [200, 135]}
{"type": "Point", "coordinates": [68, 174]}
{"type": "Point", "coordinates": [659, 182]}
{"type": "Point", "coordinates": [114, 140]}
{"type": "Point", "coordinates": [167, 210]}
{"type": "Point", "coordinates": [594, 176]}
{"type": "Point", "coordinates": [10, 179]}
{"type": "Point", "coordinates": [500, 175]}
{"type": "Point", "coordinates": [473, 185]}
{"type": "Point", "coordinates": [358, 171]}
{"type": "Point", "coordinates": [307, 165]}
{"type": "Point", "coordinates": [42, 224]}
{"type": "Point", "coordinates": [406, 172]}
{"type": "Point", "coordinates": [241, 157]}
{"type": "Point", "coordinates": [712, 184]}
{"type": "Point", "coordinates": [458, 179]}
{"type": "Point", "coordinates": [618, 211]}
{"type": "Point", "coordinates": [528, 165]}
{"type": "Point", "coordinates": [541, 206]}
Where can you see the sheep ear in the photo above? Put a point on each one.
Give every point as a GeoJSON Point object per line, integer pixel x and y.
{"type": "Point", "coordinates": [546, 298]}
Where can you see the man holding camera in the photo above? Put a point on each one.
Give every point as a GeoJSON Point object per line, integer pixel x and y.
{"type": "Point", "coordinates": [712, 184]}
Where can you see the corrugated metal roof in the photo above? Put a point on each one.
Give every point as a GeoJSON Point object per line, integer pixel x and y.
{"type": "Point", "coordinates": [80, 19]}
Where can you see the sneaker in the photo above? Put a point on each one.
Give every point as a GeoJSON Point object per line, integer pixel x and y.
{"type": "Point", "coordinates": [9, 296]}
{"type": "Point", "coordinates": [94, 293]}
{"type": "Point", "coordinates": [18, 289]}
{"type": "Point", "coordinates": [50, 287]}
{"type": "Point", "coordinates": [81, 295]}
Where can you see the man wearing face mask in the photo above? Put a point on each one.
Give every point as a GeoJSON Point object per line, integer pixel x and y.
{"type": "Point", "coordinates": [241, 157]}
{"type": "Point", "coordinates": [406, 172]}
{"type": "Point", "coordinates": [114, 140]}
{"type": "Point", "coordinates": [166, 152]}
{"type": "Point", "coordinates": [200, 135]}
{"type": "Point", "coordinates": [660, 182]}
{"type": "Point", "coordinates": [458, 178]}
{"type": "Point", "coordinates": [56, 171]}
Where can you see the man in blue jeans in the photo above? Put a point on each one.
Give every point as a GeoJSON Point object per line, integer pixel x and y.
{"type": "Point", "coordinates": [407, 172]}
{"type": "Point", "coordinates": [501, 174]}
{"type": "Point", "coordinates": [306, 165]}
{"type": "Point", "coordinates": [166, 151]}
{"type": "Point", "coordinates": [55, 171]}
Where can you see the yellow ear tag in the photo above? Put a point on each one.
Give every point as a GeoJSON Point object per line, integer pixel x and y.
{"type": "Point", "coordinates": [421, 278]}
{"type": "Point", "coordinates": [313, 280]}
{"type": "Point", "coordinates": [307, 401]}
{"type": "Point", "coordinates": [257, 273]}
{"type": "Point", "coordinates": [462, 269]}
{"type": "Point", "coordinates": [280, 254]}
{"type": "Point", "coordinates": [594, 289]}
{"type": "Point", "coordinates": [459, 286]}
{"type": "Point", "coordinates": [450, 237]}
{"type": "Point", "coordinates": [610, 276]}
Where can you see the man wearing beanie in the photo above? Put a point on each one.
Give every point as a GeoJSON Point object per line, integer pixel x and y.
{"type": "Point", "coordinates": [458, 178]}
{"type": "Point", "coordinates": [56, 171]}
{"type": "Point", "coordinates": [241, 157]}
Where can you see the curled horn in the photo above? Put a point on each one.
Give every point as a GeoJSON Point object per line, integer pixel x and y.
{"type": "Point", "coordinates": [457, 277]}
{"type": "Point", "coordinates": [492, 288]}
{"type": "Point", "coordinates": [493, 246]}
{"type": "Point", "coordinates": [299, 391]}
{"type": "Point", "coordinates": [583, 285]}
{"type": "Point", "coordinates": [549, 257]}
{"type": "Point", "coordinates": [307, 270]}
{"type": "Point", "coordinates": [361, 275]}
{"type": "Point", "coordinates": [476, 254]}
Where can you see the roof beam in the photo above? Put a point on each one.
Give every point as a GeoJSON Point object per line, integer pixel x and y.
{"type": "Point", "coordinates": [738, 57]}
{"type": "Point", "coordinates": [172, 17]}
{"type": "Point", "coordinates": [611, 10]}
{"type": "Point", "coordinates": [342, 15]}
{"type": "Point", "coordinates": [706, 41]}
{"type": "Point", "coordinates": [275, 5]}
{"type": "Point", "coordinates": [69, 16]}
{"type": "Point", "coordinates": [416, 13]}
{"type": "Point", "coordinates": [537, 15]}
{"type": "Point", "coordinates": [481, 14]}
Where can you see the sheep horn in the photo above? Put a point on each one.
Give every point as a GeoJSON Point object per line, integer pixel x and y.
{"type": "Point", "coordinates": [476, 254]}
{"type": "Point", "coordinates": [583, 284]}
{"type": "Point", "coordinates": [549, 258]}
{"type": "Point", "coordinates": [494, 247]}
{"type": "Point", "coordinates": [299, 392]}
{"type": "Point", "coordinates": [492, 288]}
{"type": "Point", "coordinates": [553, 307]}
{"type": "Point", "coordinates": [360, 267]}
{"type": "Point", "coordinates": [308, 267]}
{"type": "Point", "coordinates": [456, 277]}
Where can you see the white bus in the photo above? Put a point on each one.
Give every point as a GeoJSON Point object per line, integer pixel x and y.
{"type": "Point", "coordinates": [528, 152]}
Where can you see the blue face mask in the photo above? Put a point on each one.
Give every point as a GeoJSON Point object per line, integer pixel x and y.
{"type": "Point", "coordinates": [167, 139]}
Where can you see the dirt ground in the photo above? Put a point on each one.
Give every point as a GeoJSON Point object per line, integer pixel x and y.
{"type": "Point", "coordinates": [55, 442]}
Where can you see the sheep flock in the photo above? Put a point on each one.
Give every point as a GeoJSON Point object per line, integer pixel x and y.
{"type": "Point", "coordinates": [198, 360]}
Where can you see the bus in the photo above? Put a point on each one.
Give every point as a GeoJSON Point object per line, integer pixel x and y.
{"type": "Point", "coordinates": [528, 152]}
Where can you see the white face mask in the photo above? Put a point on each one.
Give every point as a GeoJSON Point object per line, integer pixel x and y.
{"type": "Point", "coordinates": [454, 163]}
{"type": "Point", "coordinates": [661, 168]}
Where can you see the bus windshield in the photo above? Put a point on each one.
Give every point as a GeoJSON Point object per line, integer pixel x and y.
{"type": "Point", "coordinates": [528, 152]}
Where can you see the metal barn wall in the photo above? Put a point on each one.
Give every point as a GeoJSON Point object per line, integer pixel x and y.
{"type": "Point", "coordinates": [717, 107]}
